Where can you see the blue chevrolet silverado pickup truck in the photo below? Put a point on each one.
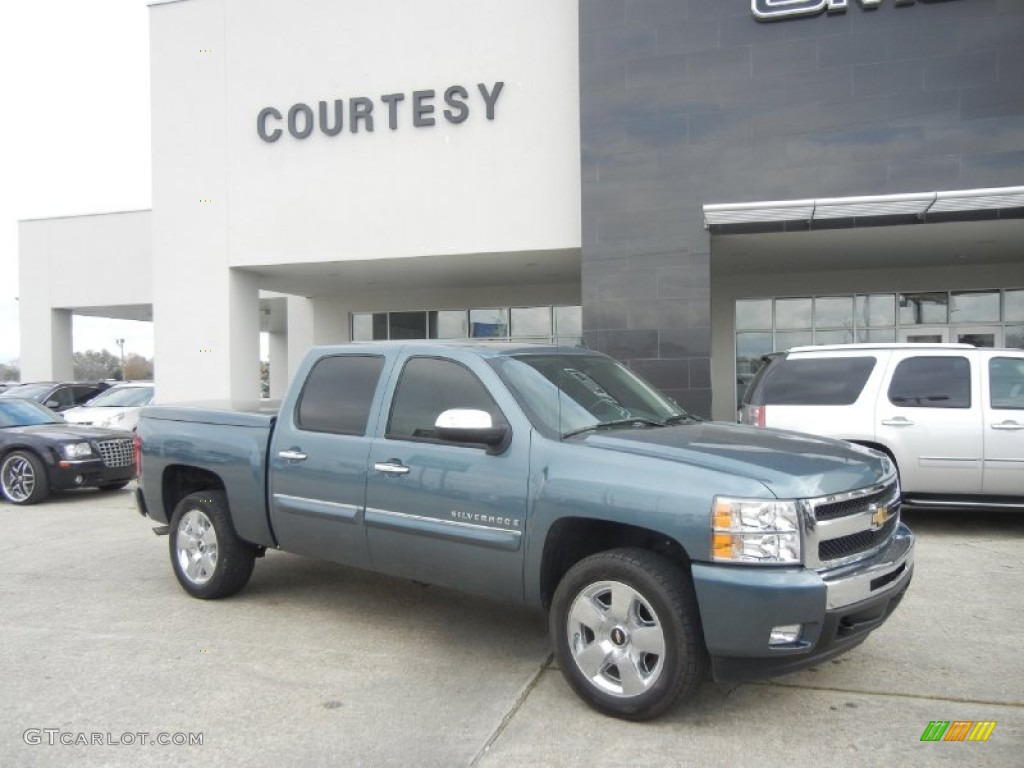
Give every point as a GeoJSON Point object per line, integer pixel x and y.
{"type": "Point", "coordinates": [664, 548]}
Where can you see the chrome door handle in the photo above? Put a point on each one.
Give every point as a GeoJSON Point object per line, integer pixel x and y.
{"type": "Point", "coordinates": [292, 455]}
{"type": "Point", "coordinates": [391, 467]}
{"type": "Point", "coordinates": [1009, 425]}
{"type": "Point", "coordinates": [899, 421]}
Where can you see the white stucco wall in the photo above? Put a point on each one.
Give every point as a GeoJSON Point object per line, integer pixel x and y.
{"type": "Point", "coordinates": [76, 262]}
{"type": "Point", "coordinates": [224, 198]}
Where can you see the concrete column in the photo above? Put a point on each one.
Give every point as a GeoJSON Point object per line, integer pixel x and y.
{"type": "Point", "coordinates": [300, 331]}
{"type": "Point", "coordinates": [279, 364]}
{"type": "Point", "coordinates": [244, 335]}
{"type": "Point", "coordinates": [46, 343]}
{"type": "Point", "coordinates": [330, 321]}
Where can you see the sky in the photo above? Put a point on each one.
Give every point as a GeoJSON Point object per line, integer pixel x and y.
{"type": "Point", "coordinates": [74, 135]}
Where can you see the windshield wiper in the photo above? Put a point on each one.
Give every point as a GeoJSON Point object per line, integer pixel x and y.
{"type": "Point", "coordinates": [615, 423]}
{"type": "Point", "coordinates": [681, 418]}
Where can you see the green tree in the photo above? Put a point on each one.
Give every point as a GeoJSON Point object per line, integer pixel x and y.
{"type": "Point", "coordinates": [95, 366]}
{"type": "Point", "coordinates": [10, 371]}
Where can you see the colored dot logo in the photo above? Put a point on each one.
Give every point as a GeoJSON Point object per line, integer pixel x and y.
{"type": "Point", "coordinates": [206, 50]}
{"type": "Point", "coordinates": [209, 349]}
{"type": "Point", "coordinates": [205, 200]}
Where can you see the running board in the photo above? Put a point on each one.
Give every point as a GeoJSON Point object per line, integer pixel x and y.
{"type": "Point", "coordinates": [162, 530]}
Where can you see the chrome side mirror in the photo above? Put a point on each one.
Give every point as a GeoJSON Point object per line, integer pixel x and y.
{"type": "Point", "coordinates": [468, 425]}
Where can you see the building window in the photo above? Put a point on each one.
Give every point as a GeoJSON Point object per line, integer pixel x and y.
{"type": "Point", "coordinates": [561, 325]}
{"type": "Point", "coordinates": [765, 325]}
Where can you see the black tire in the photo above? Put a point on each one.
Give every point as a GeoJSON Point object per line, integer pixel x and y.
{"type": "Point", "coordinates": [114, 486]}
{"type": "Point", "coordinates": [23, 478]}
{"type": "Point", "coordinates": [608, 614]}
{"type": "Point", "coordinates": [208, 558]}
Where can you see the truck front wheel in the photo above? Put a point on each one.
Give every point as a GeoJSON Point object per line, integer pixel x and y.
{"type": "Point", "coordinates": [209, 559]}
{"type": "Point", "coordinates": [627, 633]}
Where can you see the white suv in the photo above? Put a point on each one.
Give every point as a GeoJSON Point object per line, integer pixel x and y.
{"type": "Point", "coordinates": [950, 415]}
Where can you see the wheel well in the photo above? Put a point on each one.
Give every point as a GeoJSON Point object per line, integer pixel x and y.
{"type": "Point", "coordinates": [179, 481]}
{"type": "Point", "coordinates": [572, 539]}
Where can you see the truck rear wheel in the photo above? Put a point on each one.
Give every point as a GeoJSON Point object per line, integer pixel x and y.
{"type": "Point", "coordinates": [209, 559]}
{"type": "Point", "coordinates": [627, 633]}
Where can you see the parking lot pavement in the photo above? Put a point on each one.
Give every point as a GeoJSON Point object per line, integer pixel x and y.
{"type": "Point", "coordinates": [320, 665]}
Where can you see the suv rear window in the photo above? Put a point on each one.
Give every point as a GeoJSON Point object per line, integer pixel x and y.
{"type": "Point", "coordinates": [812, 381]}
{"type": "Point", "coordinates": [931, 382]}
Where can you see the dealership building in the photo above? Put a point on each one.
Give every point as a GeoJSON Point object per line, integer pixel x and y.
{"type": "Point", "coordinates": [683, 184]}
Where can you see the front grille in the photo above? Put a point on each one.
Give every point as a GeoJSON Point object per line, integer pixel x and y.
{"type": "Point", "coordinates": [853, 506]}
{"type": "Point", "coordinates": [116, 453]}
{"type": "Point", "coordinates": [855, 543]}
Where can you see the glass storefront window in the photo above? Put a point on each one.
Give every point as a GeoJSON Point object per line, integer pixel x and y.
{"type": "Point", "coordinates": [531, 322]}
{"type": "Point", "coordinates": [448, 324]}
{"type": "Point", "coordinates": [488, 323]}
{"type": "Point", "coordinates": [833, 337]}
{"type": "Point", "coordinates": [876, 336]}
{"type": "Point", "coordinates": [876, 310]}
{"type": "Point", "coordinates": [569, 321]}
{"type": "Point", "coordinates": [793, 313]}
{"type": "Point", "coordinates": [1013, 306]}
{"type": "Point", "coordinates": [408, 325]}
{"type": "Point", "coordinates": [833, 312]}
{"type": "Point", "coordinates": [369, 326]}
{"type": "Point", "coordinates": [753, 314]}
{"type": "Point", "coordinates": [924, 308]}
{"type": "Point", "coordinates": [974, 307]}
{"type": "Point", "coordinates": [788, 339]}
{"type": "Point", "coordinates": [1015, 336]}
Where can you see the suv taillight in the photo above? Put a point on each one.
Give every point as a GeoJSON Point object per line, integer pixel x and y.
{"type": "Point", "coordinates": [137, 453]}
{"type": "Point", "coordinates": [752, 415]}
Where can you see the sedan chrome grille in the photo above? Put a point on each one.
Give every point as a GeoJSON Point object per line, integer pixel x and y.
{"type": "Point", "coordinates": [116, 453]}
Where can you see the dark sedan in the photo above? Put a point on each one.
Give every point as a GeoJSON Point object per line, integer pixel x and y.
{"type": "Point", "coordinates": [40, 453]}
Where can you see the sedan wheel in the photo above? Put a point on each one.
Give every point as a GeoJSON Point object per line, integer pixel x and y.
{"type": "Point", "coordinates": [23, 478]}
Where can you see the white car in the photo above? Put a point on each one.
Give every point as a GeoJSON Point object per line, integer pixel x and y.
{"type": "Point", "coordinates": [950, 415]}
{"type": "Point", "coordinates": [117, 408]}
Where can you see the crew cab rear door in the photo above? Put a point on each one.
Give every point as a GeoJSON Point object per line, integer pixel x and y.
{"type": "Point", "coordinates": [318, 459]}
{"type": "Point", "coordinates": [1003, 427]}
{"type": "Point", "coordinates": [929, 415]}
{"type": "Point", "coordinates": [441, 512]}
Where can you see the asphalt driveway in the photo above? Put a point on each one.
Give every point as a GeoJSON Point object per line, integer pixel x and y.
{"type": "Point", "coordinates": [314, 664]}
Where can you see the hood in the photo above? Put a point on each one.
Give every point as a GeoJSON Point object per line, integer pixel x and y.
{"type": "Point", "coordinates": [790, 464]}
{"type": "Point", "coordinates": [92, 414]}
{"type": "Point", "coordinates": [67, 432]}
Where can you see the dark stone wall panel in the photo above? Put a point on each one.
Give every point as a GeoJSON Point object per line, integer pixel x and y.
{"type": "Point", "coordinates": [689, 102]}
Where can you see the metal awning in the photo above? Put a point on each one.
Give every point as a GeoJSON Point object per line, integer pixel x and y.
{"type": "Point", "coordinates": [917, 204]}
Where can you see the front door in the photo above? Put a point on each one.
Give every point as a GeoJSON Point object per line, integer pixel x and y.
{"type": "Point", "coordinates": [440, 512]}
{"type": "Point", "coordinates": [1004, 425]}
{"type": "Point", "coordinates": [929, 416]}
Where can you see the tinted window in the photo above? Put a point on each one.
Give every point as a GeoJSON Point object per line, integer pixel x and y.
{"type": "Point", "coordinates": [932, 382]}
{"type": "Point", "coordinates": [1006, 380]}
{"type": "Point", "coordinates": [429, 386]}
{"type": "Point", "coordinates": [338, 394]}
{"type": "Point", "coordinates": [813, 381]}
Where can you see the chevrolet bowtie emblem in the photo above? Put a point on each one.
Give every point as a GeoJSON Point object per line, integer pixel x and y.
{"type": "Point", "coordinates": [879, 517]}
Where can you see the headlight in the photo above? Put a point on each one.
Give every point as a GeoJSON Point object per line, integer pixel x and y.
{"type": "Point", "coordinates": [77, 450]}
{"type": "Point", "coordinates": [755, 531]}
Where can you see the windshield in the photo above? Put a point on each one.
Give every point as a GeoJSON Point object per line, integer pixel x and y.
{"type": "Point", "coordinates": [123, 397]}
{"type": "Point", "coordinates": [564, 394]}
{"type": "Point", "coordinates": [25, 413]}
{"type": "Point", "coordinates": [31, 391]}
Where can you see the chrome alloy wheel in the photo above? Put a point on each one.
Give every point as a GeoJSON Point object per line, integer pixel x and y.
{"type": "Point", "coordinates": [18, 478]}
{"type": "Point", "coordinates": [197, 547]}
{"type": "Point", "coordinates": [616, 639]}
